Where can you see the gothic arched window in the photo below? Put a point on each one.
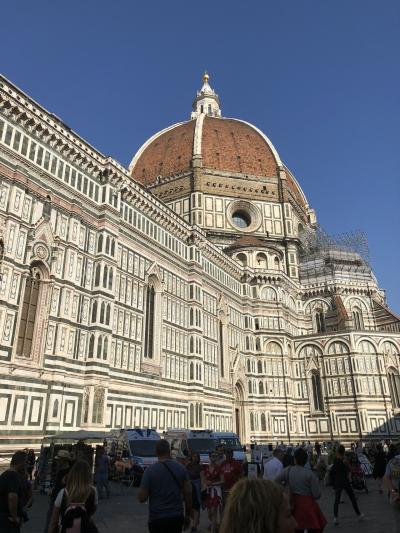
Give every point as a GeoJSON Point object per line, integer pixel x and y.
{"type": "Point", "coordinates": [100, 243]}
{"type": "Point", "coordinates": [105, 276]}
{"type": "Point", "coordinates": [98, 407]}
{"type": "Point", "coordinates": [318, 403]}
{"type": "Point", "coordinates": [394, 386]}
{"type": "Point", "coordinates": [263, 422]}
{"type": "Point", "coordinates": [320, 321]}
{"type": "Point", "coordinates": [28, 315]}
{"type": "Point", "coordinates": [191, 371]}
{"type": "Point", "coordinates": [261, 388]}
{"type": "Point", "coordinates": [108, 314]}
{"type": "Point", "coordinates": [94, 311]}
{"type": "Point", "coordinates": [149, 332]}
{"type": "Point", "coordinates": [259, 367]}
{"type": "Point", "coordinates": [110, 279]}
{"type": "Point", "coordinates": [91, 346]}
{"type": "Point", "coordinates": [191, 415]}
{"type": "Point", "coordinates": [221, 347]}
{"type": "Point", "coordinates": [358, 322]}
{"type": "Point", "coordinates": [102, 313]}
{"type": "Point", "coordinates": [105, 348]}
{"type": "Point", "coordinates": [251, 421]}
{"type": "Point", "coordinates": [99, 347]}
{"type": "Point", "coordinates": [97, 276]}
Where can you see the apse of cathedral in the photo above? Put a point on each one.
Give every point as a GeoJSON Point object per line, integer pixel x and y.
{"type": "Point", "coordinates": [192, 290]}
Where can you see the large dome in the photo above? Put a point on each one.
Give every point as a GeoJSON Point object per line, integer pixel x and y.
{"type": "Point", "coordinates": [225, 144]}
{"type": "Point", "coordinates": [214, 144]}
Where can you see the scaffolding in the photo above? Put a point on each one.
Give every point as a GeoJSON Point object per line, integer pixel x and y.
{"type": "Point", "coordinates": [324, 256]}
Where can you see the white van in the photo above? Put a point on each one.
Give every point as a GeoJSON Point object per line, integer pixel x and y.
{"type": "Point", "coordinates": [230, 440]}
{"type": "Point", "coordinates": [136, 443]}
{"type": "Point", "coordinates": [187, 441]}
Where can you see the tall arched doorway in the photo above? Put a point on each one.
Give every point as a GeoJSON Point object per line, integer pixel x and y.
{"type": "Point", "coordinates": [240, 423]}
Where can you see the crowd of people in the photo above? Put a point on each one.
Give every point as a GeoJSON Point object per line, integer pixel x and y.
{"type": "Point", "coordinates": [283, 498]}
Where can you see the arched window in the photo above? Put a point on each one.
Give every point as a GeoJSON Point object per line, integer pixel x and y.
{"type": "Point", "coordinates": [91, 346]}
{"type": "Point", "coordinates": [200, 415]}
{"type": "Point", "coordinates": [358, 322]}
{"type": "Point", "coordinates": [191, 345]}
{"type": "Point", "coordinates": [105, 276]}
{"type": "Point", "coordinates": [98, 407]}
{"type": "Point", "coordinates": [250, 387]}
{"type": "Point", "coordinates": [258, 344]}
{"type": "Point", "coordinates": [191, 316]}
{"type": "Point", "coordinates": [112, 252]}
{"type": "Point", "coordinates": [99, 347]}
{"type": "Point", "coordinates": [105, 349]}
{"type": "Point", "coordinates": [259, 367]}
{"type": "Point", "coordinates": [54, 413]}
{"type": "Point", "coordinates": [28, 314]}
{"type": "Point", "coordinates": [242, 258]}
{"type": "Point", "coordinates": [221, 348]}
{"type": "Point", "coordinates": [110, 279]}
{"type": "Point", "coordinates": [263, 422]}
{"type": "Point", "coordinates": [248, 365]}
{"type": "Point", "coordinates": [251, 421]}
{"type": "Point", "coordinates": [318, 403]}
{"type": "Point", "coordinates": [107, 245]}
{"type": "Point", "coordinates": [97, 276]}
{"type": "Point", "coordinates": [320, 321]}
{"type": "Point", "coordinates": [261, 388]}
{"type": "Point", "coordinates": [94, 311]}
{"type": "Point", "coordinates": [191, 415]}
{"type": "Point", "coordinates": [261, 261]}
{"type": "Point", "coordinates": [149, 332]}
{"type": "Point", "coordinates": [276, 263]}
{"type": "Point", "coordinates": [100, 243]}
{"type": "Point", "coordinates": [102, 313]}
{"type": "Point", "coordinates": [199, 372]}
{"type": "Point", "coordinates": [191, 371]}
{"type": "Point", "coordinates": [85, 407]}
{"type": "Point", "coordinates": [247, 342]}
{"type": "Point", "coordinates": [394, 386]}
{"type": "Point", "coordinates": [108, 311]}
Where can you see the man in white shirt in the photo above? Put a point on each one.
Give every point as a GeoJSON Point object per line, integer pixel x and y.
{"type": "Point", "coordinates": [274, 466]}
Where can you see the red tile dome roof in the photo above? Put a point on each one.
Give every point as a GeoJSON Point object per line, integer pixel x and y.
{"type": "Point", "coordinates": [222, 144]}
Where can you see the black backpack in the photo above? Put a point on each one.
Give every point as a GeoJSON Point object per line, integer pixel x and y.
{"type": "Point", "coordinates": [75, 518]}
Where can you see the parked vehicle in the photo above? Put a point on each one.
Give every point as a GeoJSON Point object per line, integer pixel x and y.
{"type": "Point", "coordinates": [231, 440]}
{"type": "Point", "coordinates": [133, 450]}
{"type": "Point", "coordinates": [187, 441]}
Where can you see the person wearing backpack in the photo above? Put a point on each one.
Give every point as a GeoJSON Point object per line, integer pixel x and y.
{"type": "Point", "coordinates": [76, 504]}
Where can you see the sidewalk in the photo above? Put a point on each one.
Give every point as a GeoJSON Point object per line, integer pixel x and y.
{"type": "Point", "coordinates": [123, 514]}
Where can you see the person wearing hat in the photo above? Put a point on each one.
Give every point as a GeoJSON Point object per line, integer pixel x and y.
{"type": "Point", "coordinates": [63, 460]}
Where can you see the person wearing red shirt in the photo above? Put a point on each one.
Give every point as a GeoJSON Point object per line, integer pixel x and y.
{"type": "Point", "coordinates": [232, 471]}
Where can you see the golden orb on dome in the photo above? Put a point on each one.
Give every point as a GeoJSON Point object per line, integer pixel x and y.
{"type": "Point", "coordinates": [206, 77]}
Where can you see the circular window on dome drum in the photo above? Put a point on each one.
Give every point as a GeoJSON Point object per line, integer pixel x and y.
{"type": "Point", "coordinates": [241, 219]}
{"type": "Point", "coordinates": [244, 216]}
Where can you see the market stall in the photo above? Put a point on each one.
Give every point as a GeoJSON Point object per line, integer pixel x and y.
{"type": "Point", "coordinates": [76, 445]}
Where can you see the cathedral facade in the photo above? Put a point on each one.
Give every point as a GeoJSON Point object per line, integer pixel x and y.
{"type": "Point", "coordinates": [192, 290]}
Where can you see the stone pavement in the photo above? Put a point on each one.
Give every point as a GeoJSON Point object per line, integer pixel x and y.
{"type": "Point", "coordinates": [123, 514]}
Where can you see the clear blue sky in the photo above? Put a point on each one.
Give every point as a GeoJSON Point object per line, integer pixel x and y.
{"type": "Point", "coordinates": [320, 78]}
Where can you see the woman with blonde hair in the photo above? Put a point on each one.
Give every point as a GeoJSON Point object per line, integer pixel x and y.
{"type": "Point", "coordinates": [257, 506]}
{"type": "Point", "coordinates": [76, 504]}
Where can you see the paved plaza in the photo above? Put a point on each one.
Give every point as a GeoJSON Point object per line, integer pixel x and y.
{"type": "Point", "coordinates": [123, 514]}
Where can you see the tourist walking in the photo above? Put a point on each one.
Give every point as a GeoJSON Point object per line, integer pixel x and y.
{"type": "Point", "coordinates": [164, 484]}
{"type": "Point", "coordinates": [194, 470]}
{"type": "Point", "coordinates": [274, 466]}
{"type": "Point", "coordinates": [379, 466]}
{"type": "Point", "coordinates": [63, 466]}
{"type": "Point", "coordinates": [75, 504]}
{"type": "Point", "coordinates": [257, 506]}
{"type": "Point", "coordinates": [231, 471]}
{"type": "Point", "coordinates": [30, 463]}
{"type": "Point", "coordinates": [304, 490]}
{"type": "Point", "coordinates": [340, 476]}
{"type": "Point", "coordinates": [318, 448]}
{"type": "Point", "coordinates": [102, 471]}
{"type": "Point", "coordinates": [392, 482]}
{"type": "Point", "coordinates": [11, 494]}
{"type": "Point", "coordinates": [211, 484]}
